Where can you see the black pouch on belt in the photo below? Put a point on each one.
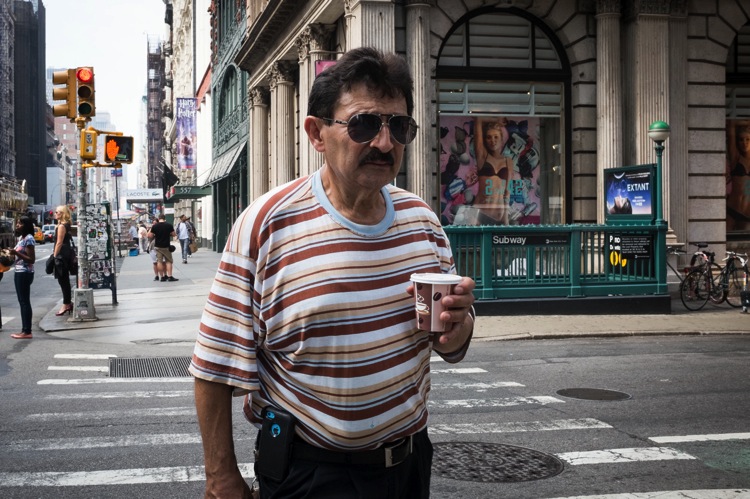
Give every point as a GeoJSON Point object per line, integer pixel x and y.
{"type": "Point", "coordinates": [274, 443]}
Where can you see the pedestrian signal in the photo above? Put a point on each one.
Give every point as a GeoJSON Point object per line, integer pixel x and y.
{"type": "Point", "coordinates": [66, 93]}
{"type": "Point", "coordinates": [86, 92]}
{"type": "Point", "coordinates": [88, 144]}
{"type": "Point", "coordinates": [118, 149]}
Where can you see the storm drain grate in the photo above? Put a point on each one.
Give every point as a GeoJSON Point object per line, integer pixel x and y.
{"type": "Point", "coordinates": [485, 462]}
{"type": "Point", "coordinates": [149, 367]}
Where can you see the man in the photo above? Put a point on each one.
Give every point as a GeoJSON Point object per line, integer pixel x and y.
{"type": "Point", "coordinates": [162, 233]}
{"type": "Point", "coordinates": [311, 311]}
{"type": "Point", "coordinates": [183, 234]}
{"type": "Point", "coordinates": [133, 235]}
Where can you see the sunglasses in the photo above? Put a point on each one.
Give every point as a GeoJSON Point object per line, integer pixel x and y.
{"type": "Point", "coordinates": [364, 127]}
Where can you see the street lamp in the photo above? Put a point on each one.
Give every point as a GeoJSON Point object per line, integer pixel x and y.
{"type": "Point", "coordinates": [658, 131]}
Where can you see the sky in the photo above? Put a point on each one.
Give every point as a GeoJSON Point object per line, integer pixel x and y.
{"type": "Point", "coordinates": [112, 36]}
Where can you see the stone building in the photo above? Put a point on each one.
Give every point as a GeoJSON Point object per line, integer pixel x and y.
{"type": "Point", "coordinates": [573, 84]}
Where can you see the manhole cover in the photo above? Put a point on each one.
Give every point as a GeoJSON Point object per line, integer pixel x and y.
{"type": "Point", "coordinates": [149, 367]}
{"type": "Point", "coordinates": [485, 462]}
{"type": "Point", "coordinates": [593, 394]}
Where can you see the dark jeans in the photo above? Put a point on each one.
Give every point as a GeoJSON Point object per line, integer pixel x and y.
{"type": "Point", "coordinates": [65, 287]}
{"type": "Point", "coordinates": [407, 480]}
{"type": "Point", "coordinates": [184, 244]}
{"type": "Point", "coordinates": [23, 291]}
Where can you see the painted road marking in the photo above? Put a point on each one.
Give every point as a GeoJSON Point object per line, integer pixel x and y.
{"type": "Point", "coordinates": [559, 424]}
{"type": "Point", "coordinates": [94, 381]}
{"type": "Point", "coordinates": [501, 402]}
{"type": "Point", "coordinates": [476, 386]}
{"type": "Point", "coordinates": [120, 395]}
{"type": "Point", "coordinates": [132, 413]}
{"type": "Point", "coordinates": [460, 370]}
{"type": "Point", "coordinates": [674, 494]}
{"type": "Point", "coordinates": [100, 369]}
{"type": "Point", "coordinates": [77, 356]}
{"type": "Point", "coordinates": [631, 455]}
{"type": "Point", "coordinates": [712, 437]}
{"type": "Point", "coordinates": [112, 477]}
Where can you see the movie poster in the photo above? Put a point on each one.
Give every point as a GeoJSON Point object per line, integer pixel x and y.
{"type": "Point", "coordinates": [628, 192]}
{"type": "Point", "coordinates": [489, 171]}
{"type": "Point", "coordinates": [738, 176]}
{"type": "Point", "coordinates": [186, 132]}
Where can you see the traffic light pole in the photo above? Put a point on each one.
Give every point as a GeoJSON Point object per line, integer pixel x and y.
{"type": "Point", "coordinates": [83, 296]}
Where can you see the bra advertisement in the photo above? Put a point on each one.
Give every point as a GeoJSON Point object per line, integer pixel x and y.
{"type": "Point", "coordinates": [628, 192]}
{"type": "Point", "coordinates": [489, 170]}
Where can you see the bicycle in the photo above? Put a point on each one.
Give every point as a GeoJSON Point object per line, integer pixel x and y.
{"type": "Point", "coordinates": [696, 286]}
{"type": "Point", "coordinates": [730, 282]}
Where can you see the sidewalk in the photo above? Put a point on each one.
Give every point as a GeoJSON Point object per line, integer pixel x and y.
{"type": "Point", "coordinates": [151, 312]}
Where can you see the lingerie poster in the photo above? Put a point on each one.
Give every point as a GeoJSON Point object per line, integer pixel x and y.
{"type": "Point", "coordinates": [489, 171]}
{"type": "Point", "coordinates": [738, 176]}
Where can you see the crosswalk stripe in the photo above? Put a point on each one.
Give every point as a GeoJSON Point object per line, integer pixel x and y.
{"type": "Point", "coordinates": [133, 476]}
{"type": "Point", "coordinates": [501, 402]}
{"type": "Point", "coordinates": [701, 438]}
{"type": "Point", "coordinates": [476, 386]}
{"type": "Point", "coordinates": [77, 356]}
{"type": "Point", "coordinates": [131, 413]}
{"type": "Point", "coordinates": [459, 370]}
{"type": "Point", "coordinates": [673, 494]}
{"type": "Point", "coordinates": [100, 369]}
{"type": "Point", "coordinates": [118, 395]}
{"type": "Point", "coordinates": [95, 381]}
{"type": "Point", "coordinates": [482, 428]}
{"type": "Point", "coordinates": [631, 455]}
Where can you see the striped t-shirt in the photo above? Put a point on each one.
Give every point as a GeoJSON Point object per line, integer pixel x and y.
{"type": "Point", "coordinates": [309, 312]}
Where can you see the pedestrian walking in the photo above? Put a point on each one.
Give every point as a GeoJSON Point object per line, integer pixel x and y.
{"type": "Point", "coordinates": [162, 233]}
{"type": "Point", "coordinates": [312, 314]}
{"type": "Point", "coordinates": [24, 274]}
{"type": "Point", "coordinates": [183, 235]}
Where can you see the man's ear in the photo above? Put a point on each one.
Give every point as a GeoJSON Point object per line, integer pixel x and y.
{"type": "Point", "coordinates": [313, 127]}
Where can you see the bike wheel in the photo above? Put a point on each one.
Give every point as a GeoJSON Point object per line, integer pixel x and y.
{"type": "Point", "coordinates": [695, 290]}
{"type": "Point", "coordinates": [734, 287]}
{"type": "Point", "coordinates": [718, 292]}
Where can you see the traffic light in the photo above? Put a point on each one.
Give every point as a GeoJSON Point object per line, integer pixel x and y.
{"type": "Point", "coordinates": [86, 92]}
{"type": "Point", "coordinates": [66, 93]}
{"type": "Point", "coordinates": [88, 144]}
{"type": "Point", "coordinates": [118, 149]}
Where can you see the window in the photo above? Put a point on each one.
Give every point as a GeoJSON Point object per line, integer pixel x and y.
{"type": "Point", "coordinates": [501, 102]}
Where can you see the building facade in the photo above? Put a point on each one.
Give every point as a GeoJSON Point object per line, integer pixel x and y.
{"type": "Point", "coordinates": [571, 86]}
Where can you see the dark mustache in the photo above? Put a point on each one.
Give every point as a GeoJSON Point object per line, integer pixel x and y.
{"type": "Point", "coordinates": [377, 156]}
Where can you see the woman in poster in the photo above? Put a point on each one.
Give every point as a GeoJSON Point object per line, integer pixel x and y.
{"type": "Point", "coordinates": [494, 170]}
{"type": "Point", "coordinates": [738, 195]}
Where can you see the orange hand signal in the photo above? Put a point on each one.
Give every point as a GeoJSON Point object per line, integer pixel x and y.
{"type": "Point", "coordinates": [112, 150]}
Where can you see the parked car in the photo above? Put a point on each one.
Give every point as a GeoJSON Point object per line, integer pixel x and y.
{"type": "Point", "coordinates": [49, 231]}
{"type": "Point", "coordinates": [38, 235]}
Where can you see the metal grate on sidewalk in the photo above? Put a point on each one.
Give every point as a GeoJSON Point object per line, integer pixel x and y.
{"type": "Point", "coordinates": [149, 367]}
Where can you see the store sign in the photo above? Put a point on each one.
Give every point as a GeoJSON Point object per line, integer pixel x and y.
{"type": "Point", "coordinates": [144, 195]}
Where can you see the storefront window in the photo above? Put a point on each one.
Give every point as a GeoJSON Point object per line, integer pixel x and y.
{"type": "Point", "coordinates": [501, 132]}
{"type": "Point", "coordinates": [738, 136]}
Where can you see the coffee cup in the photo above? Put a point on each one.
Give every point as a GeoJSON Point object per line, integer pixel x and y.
{"type": "Point", "coordinates": [429, 290]}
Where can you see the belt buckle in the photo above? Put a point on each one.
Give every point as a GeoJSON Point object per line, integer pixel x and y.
{"type": "Point", "coordinates": [389, 451]}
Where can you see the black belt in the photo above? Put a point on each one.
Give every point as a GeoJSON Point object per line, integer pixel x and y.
{"type": "Point", "coordinates": [386, 456]}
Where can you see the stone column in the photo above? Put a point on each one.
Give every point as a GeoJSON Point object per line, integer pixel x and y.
{"type": "Point", "coordinates": [676, 170]}
{"type": "Point", "coordinates": [420, 166]}
{"type": "Point", "coordinates": [282, 122]}
{"type": "Point", "coordinates": [608, 95]}
{"type": "Point", "coordinates": [311, 46]}
{"type": "Point", "coordinates": [370, 23]}
{"type": "Point", "coordinates": [258, 170]}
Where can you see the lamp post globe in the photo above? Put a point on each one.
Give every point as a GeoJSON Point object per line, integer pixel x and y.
{"type": "Point", "coordinates": [658, 131]}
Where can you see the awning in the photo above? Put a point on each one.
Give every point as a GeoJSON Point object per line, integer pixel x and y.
{"type": "Point", "coordinates": [180, 192]}
{"type": "Point", "coordinates": [223, 166]}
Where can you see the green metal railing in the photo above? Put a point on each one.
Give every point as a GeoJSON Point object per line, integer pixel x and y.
{"type": "Point", "coordinates": [561, 260]}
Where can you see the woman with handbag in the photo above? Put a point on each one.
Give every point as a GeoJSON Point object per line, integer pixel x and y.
{"type": "Point", "coordinates": [62, 254]}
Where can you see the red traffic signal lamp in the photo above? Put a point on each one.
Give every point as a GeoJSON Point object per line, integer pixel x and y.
{"type": "Point", "coordinates": [86, 92]}
{"type": "Point", "coordinates": [67, 93]}
{"type": "Point", "coordinates": [118, 149]}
